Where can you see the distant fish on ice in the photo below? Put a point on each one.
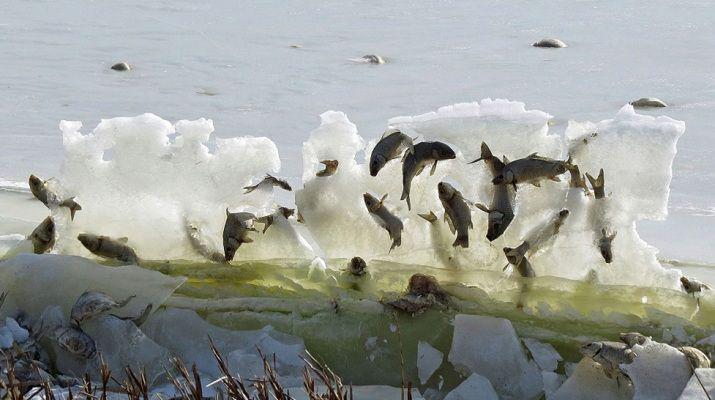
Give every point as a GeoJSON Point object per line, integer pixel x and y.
{"type": "Point", "coordinates": [370, 59]}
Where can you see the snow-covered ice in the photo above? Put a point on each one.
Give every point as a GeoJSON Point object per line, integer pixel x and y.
{"type": "Point", "coordinates": [428, 360]}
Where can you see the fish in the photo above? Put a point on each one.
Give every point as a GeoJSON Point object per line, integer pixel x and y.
{"type": "Point", "coordinates": [91, 304]}
{"type": "Point", "coordinates": [517, 258]}
{"type": "Point", "coordinates": [43, 236]}
{"type": "Point", "coordinates": [235, 232]}
{"type": "Point", "coordinates": [331, 166]}
{"type": "Point", "coordinates": [271, 181]}
{"type": "Point", "coordinates": [539, 236]}
{"type": "Point", "coordinates": [696, 358]}
{"type": "Point", "coordinates": [577, 181]}
{"type": "Point", "coordinates": [268, 220]}
{"type": "Point", "coordinates": [633, 338]}
{"type": "Point", "coordinates": [456, 213]}
{"type": "Point", "coordinates": [532, 169]}
{"type": "Point", "coordinates": [201, 243]}
{"type": "Point", "coordinates": [692, 286]}
{"type": "Point", "coordinates": [391, 146]}
{"type": "Point", "coordinates": [384, 218]}
{"type": "Point", "coordinates": [609, 354]}
{"type": "Point", "coordinates": [74, 340]}
{"type": "Point", "coordinates": [426, 285]}
{"type": "Point", "coordinates": [49, 198]}
{"type": "Point", "coordinates": [604, 238]}
{"type": "Point", "coordinates": [431, 218]}
{"type": "Point", "coordinates": [500, 211]}
{"type": "Point", "coordinates": [107, 247]}
{"type": "Point", "coordinates": [414, 163]}
{"type": "Point", "coordinates": [357, 266]}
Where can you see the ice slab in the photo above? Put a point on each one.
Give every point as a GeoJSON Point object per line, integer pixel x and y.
{"type": "Point", "coordinates": [546, 357]}
{"type": "Point", "coordinates": [428, 360]}
{"type": "Point", "coordinates": [186, 335]}
{"type": "Point", "coordinates": [476, 386]}
{"type": "Point", "coordinates": [552, 382]}
{"type": "Point", "coordinates": [32, 283]}
{"type": "Point", "coordinates": [659, 371]}
{"type": "Point", "coordinates": [700, 386]}
{"type": "Point", "coordinates": [489, 347]}
{"type": "Point", "coordinates": [588, 382]}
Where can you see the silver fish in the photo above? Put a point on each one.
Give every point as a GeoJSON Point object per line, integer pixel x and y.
{"type": "Point", "coordinates": [271, 181]}
{"type": "Point", "coordinates": [423, 154]}
{"type": "Point", "coordinates": [42, 192]}
{"type": "Point", "coordinates": [43, 236]}
{"type": "Point", "coordinates": [391, 146]}
{"type": "Point", "coordinates": [384, 218]}
{"type": "Point", "coordinates": [107, 247]}
{"type": "Point", "coordinates": [235, 232]}
{"type": "Point", "coordinates": [500, 210]}
{"type": "Point", "coordinates": [543, 233]}
{"type": "Point", "coordinates": [609, 354]}
{"type": "Point", "coordinates": [331, 166]}
{"type": "Point", "coordinates": [532, 169]}
{"type": "Point", "coordinates": [75, 341]}
{"type": "Point", "coordinates": [268, 220]}
{"type": "Point", "coordinates": [456, 213]}
{"type": "Point", "coordinates": [91, 304]}
{"type": "Point", "coordinates": [577, 181]}
{"type": "Point", "coordinates": [605, 238]}
{"type": "Point", "coordinates": [692, 286]}
{"type": "Point", "coordinates": [517, 258]}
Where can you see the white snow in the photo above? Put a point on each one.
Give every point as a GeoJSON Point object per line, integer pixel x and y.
{"type": "Point", "coordinates": [546, 357]}
{"type": "Point", "coordinates": [489, 347]}
{"type": "Point", "coordinates": [702, 380]}
{"type": "Point", "coordinates": [475, 385]}
{"type": "Point", "coordinates": [659, 371]}
{"type": "Point", "coordinates": [428, 360]}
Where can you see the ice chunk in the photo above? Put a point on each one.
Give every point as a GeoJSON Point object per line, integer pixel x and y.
{"type": "Point", "coordinates": [31, 282]}
{"type": "Point", "coordinates": [376, 392]}
{"type": "Point", "coordinates": [19, 333]}
{"type": "Point", "coordinates": [474, 385]}
{"type": "Point", "coordinates": [552, 382]}
{"type": "Point", "coordinates": [428, 360]}
{"type": "Point", "coordinates": [659, 371]}
{"type": "Point", "coordinates": [588, 382]}
{"type": "Point", "coordinates": [120, 343]}
{"type": "Point", "coordinates": [489, 346]}
{"type": "Point", "coordinates": [6, 338]}
{"type": "Point", "coordinates": [703, 380]}
{"type": "Point", "coordinates": [186, 335]}
{"type": "Point", "coordinates": [546, 357]}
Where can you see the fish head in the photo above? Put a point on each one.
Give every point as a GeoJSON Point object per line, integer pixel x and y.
{"type": "Point", "coordinates": [512, 255]}
{"type": "Point", "coordinates": [441, 151]}
{"type": "Point", "coordinates": [49, 225]}
{"type": "Point", "coordinates": [445, 190]}
{"type": "Point", "coordinates": [561, 168]}
{"type": "Point", "coordinates": [496, 225]}
{"type": "Point", "coordinates": [371, 202]}
{"type": "Point", "coordinates": [35, 182]}
{"type": "Point", "coordinates": [563, 214]}
{"type": "Point", "coordinates": [591, 349]}
{"type": "Point", "coordinates": [284, 185]}
{"type": "Point", "coordinates": [91, 242]}
{"type": "Point", "coordinates": [377, 161]}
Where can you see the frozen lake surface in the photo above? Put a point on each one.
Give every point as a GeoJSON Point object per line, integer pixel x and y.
{"type": "Point", "coordinates": [233, 62]}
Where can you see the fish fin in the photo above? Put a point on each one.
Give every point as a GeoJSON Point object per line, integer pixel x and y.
{"type": "Point", "coordinates": [532, 155]}
{"type": "Point", "coordinates": [477, 160]}
{"type": "Point", "coordinates": [396, 242]}
{"type": "Point", "coordinates": [461, 241]}
{"type": "Point", "coordinates": [536, 183]}
{"type": "Point", "coordinates": [613, 236]}
{"type": "Point", "coordinates": [482, 207]}
{"type": "Point", "coordinates": [126, 301]}
{"type": "Point", "coordinates": [505, 267]}
{"type": "Point", "coordinates": [429, 217]}
{"type": "Point", "coordinates": [449, 222]}
{"type": "Point", "coordinates": [123, 239]}
{"type": "Point", "coordinates": [247, 240]}
{"type": "Point", "coordinates": [600, 179]}
{"type": "Point", "coordinates": [406, 196]}
{"type": "Point", "coordinates": [504, 160]}
{"type": "Point", "coordinates": [514, 185]}
{"type": "Point", "coordinates": [382, 199]}
{"type": "Point", "coordinates": [434, 168]}
{"type": "Point", "coordinates": [569, 161]}
{"type": "Point", "coordinates": [555, 179]}
{"type": "Point", "coordinates": [72, 205]}
{"type": "Point", "coordinates": [249, 189]}
{"type": "Point", "coordinates": [471, 224]}
{"type": "Point", "coordinates": [227, 212]}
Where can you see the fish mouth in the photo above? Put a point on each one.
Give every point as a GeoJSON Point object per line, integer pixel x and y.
{"type": "Point", "coordinates": [498, 180]}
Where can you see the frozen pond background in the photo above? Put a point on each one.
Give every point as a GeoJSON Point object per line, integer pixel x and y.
{"type": "Point", "coordinates": [232, 62]}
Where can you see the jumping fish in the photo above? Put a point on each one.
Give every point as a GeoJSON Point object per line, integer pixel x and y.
{"type": "Point", "coordinates": [456, 213]}
{"type": "Point", "coordinates": [500, 211]}
{"type": "Point", "coordinates": [49, 198]}
{"type": "Point", "coordinates": [424, 153]}
{"type": "Point", "coordinates": [268, 220]}
{"type": "Point", "coordinates": [605, 237]}
{"type": "Point", "coordinates": [517, 258]}
{"type": "Point", "coordinates": [199, 241]}
{"type": "Point", "coordinates": [692, 286]}
{"type": "Point", "coordinates": [384, 218]}
{"type": "Point", "coordinates": [43, 236]}
{"type": "Point", "coordinates": [91, 304]}
{"type": "Point", "coordinates": [390, 147]}
{"type": "Point", "coordinates": [532, 169]}
{"type": "Point", "coordinates": [543, 233]}
{"type": "Point", "coordinates": [235, 232]}
{"type": "Point", "coordinates": [271, 181]}
{"type": "Point", "coordinates": [331, 166]}
{"type": "Point", "coordinates": [107, 247]}
{"type": "Point", "coordinates": [75, 341]}
{"type": "Point", "coordinates": [577, 180]}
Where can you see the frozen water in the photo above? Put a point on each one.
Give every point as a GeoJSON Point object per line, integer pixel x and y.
{"type": "Point", "coordinates": [546, 357]}
{"type": "Point", "coordinates": [19, 334]}
{"type": "Point", "coordinates": [659, 371]}
{"type": "Point", "coordinates": [552, 382]}
{"type": "Point", "coordinates": [703, 380]}
{"type": "Point", "coordinates": [474, 385]}
{"type": "Point", "coordinates": [588, 382]}
{"type": "Point", "coordinates": [31, 283]}
{"type": "Point", "coordinates": [428, 360]}
{"type": "Point", "coordinates": [489, 347]}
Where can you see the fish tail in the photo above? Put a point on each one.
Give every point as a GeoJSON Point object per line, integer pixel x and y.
{"type": "Point", "coordinates": [406, 196]}
{"type": "Point", "coordinates": [461, 241]}
{"type": "Point", "coordinates": [596, 183]}
{"type": "Point", "coordinates": [429, 217]}
{"type": "Point", "coordinates": [396, 242]}
{"type": "Point", "coordinates": [249, 189]}
{"type": "Point", "coordinates": [72, 205]}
